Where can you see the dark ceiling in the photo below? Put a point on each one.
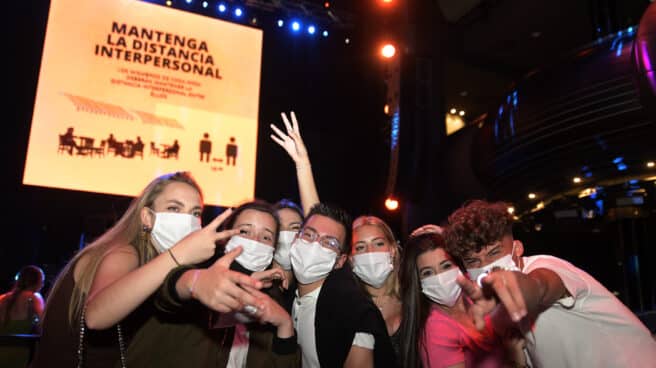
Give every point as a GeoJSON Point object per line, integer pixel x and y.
{"type": "Point", "coordinates": [492, 44]}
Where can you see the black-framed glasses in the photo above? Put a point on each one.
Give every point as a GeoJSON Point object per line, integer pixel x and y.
{"type": "Point", "coordinates": [310, 236]}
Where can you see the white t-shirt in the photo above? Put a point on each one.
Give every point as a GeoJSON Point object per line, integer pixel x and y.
{"type": "Point", "coordinates": [303, 315]}
{"type": "Point", "coordinates": [590, 328]}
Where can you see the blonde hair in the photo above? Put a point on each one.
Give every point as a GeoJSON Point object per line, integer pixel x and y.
{"type": "Point", "coordinates": [391, 286]}
{"type": "Point", "coordinates": [128, 230]}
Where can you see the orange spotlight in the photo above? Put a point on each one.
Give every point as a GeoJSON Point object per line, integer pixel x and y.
{"type": "Point", "coordinates": [388, 51]}
{"type": "Point", "coordinates": [391, 204]}
{"type": "Point", "coordinates": [326, 5]}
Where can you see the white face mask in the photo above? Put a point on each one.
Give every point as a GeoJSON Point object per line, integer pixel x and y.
{"type": "Point", "coordinates": [255, 256]}
{"type": "Point", "coordinates": [285, 239]}
{"type": "Point", "coordinates": [171, 227]}
{"type": "Point", "coordinates": [442, 288]}
{"type": "Point", "coordinates": [310, 261]}
{"type": "Point", "coordinates": [372, 267]}
{"type": "Point", "coordinates": [505, 263]}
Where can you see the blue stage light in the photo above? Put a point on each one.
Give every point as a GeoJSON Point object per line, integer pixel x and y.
{"type": "Point", "coordinates": [296, 26]}
{"type": "Point", "coordinates": [189, 1]}
{"type": "Point", "coordinates": [311, 29]}
{"type": "Point", "coordinates": [281, 22]}
{"type": "Point", "coordinates": [222, 8]}
{"type": "Point", "coordinates": [325, 33]}
{"type": "Point", "coordinates": [238, 12]}
{"type": "Point", "coordinates": [204, 4]}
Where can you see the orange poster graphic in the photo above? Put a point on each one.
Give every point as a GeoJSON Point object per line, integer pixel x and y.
{"type": "Point", "coordinates": [130, 90]}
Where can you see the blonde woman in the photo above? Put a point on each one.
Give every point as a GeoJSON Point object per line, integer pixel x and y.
{"type": "Point", "coordinates": [375, 259]}
{"type": "Point", "coordinates": [113, 276]}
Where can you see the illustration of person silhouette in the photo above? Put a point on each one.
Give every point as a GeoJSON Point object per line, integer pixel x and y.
{"type": "Point", "coordinates": [205, 147]}
{"type": "Point", "coordinates": [138, 147]}
{"type": "Point", "coordinates": [67, 141]}
{"type": "Point", "coordinates": [231, 152]}
{"type": "Point", "coordinates": [172, 150]}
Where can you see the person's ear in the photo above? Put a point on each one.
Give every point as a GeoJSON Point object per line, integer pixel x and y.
{"type": "Point", "coordinates": [147, 218]}
{"type": "Point", "coordinates": [519, 248]}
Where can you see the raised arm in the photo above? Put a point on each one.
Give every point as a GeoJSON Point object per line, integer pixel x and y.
{"type": "Point", "coordinates": [120, 285]}
{"type": "Point", "coordinates": [293, 144]}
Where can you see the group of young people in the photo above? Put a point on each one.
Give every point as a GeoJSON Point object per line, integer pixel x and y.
{"type": "Point", "coordinates": [282, 285]}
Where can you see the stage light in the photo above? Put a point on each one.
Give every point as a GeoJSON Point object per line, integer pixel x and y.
{"type": "Point", "coordinates": [325, 33]}
{"type": "Point", "coordinates": [296, 26]}
{"type": "Point", "coordinates": [189, 1]}
{"type": "Point", "coordinates": [222, 8]}
{"type": "Point", "coordinates": [650, 164]}
{"type": "Point", "coordinates": [238, 12]}
{"type": "Point", "coordinates": [576, 180]}
{"type": "Point", "coordinates": [531, 196]}
{"type": "Point", "coordinates": [204, 4]}
{"type": "Point", "coordinates": [462, 113]}
{"type": "Point", "coordinates": [254, 20]}
{"type": "Point", "coordinates": [347, 40]}
{"type": "Point", "coordinates": [281, 22]}
{"type": "Point", "coordinates": [326, 5]}
{"type": "Point", "coordinates": [311, 29]}
{"type": "Point", "coordinates": [453, 111]}
{"type": "Point", "coordinates": [388, 51]}
{"type": "Point", "coordinates": [168, 2]}
{"type": "Point", "coordinates": [511, 210]}
{"type": "Point", "coordinates": [386, 109]}
{"type": "Point", "coordinates": [391, 204]}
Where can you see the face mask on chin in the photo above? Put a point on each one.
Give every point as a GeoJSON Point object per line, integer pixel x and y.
{"type": "Point", "coordinates": [310, 261]}
{"type": "Point", "coordinates": [442, 288]}
{"type": "Point", "coordinates": [255, 256]}
{"type": "Point", "coordinates": [505, 263]}
{"type": "Point", "coordinates": [281, 256]}
{"type": "Point", "coordinates": [171, 227]}
{"type": "Point", "coordinates": [372, 267]}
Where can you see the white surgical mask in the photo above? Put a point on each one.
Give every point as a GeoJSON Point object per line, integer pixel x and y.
{"type": "Point", "coordinates": [171, 227]}
{"type": "Point", "coordinates": [311, 261]}
{"type": "Point", "coordinates": [505, 263]}
{"type": "Point", "coordinates": [372, 267]}
{"type": "Point", "coordinates": [281, 256]}
{"type": "Point", "coordinates": [255, 256]}
{"type": "Point", "coordinates": [442, 288]}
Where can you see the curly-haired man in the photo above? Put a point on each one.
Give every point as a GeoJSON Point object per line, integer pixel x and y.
{"type": "Point", "coordinates": [566, 316]}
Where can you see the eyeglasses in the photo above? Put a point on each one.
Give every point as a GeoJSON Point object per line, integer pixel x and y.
{"type": "Point", "coordinates": [327, 241]}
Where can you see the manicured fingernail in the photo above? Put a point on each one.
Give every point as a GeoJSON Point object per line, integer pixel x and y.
{"type": "Point", "coordinates": [516, 317]}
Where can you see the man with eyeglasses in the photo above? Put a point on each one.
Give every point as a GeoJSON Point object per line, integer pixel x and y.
{"type": "Point", "coordinates": [336, 324]}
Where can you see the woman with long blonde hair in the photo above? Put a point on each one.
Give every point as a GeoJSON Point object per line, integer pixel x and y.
{"type": "Point", "coordinates": [108, 280]}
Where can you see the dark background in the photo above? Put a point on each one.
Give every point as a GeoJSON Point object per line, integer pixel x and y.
{"type": "Point", "coordinates": [465, 54]}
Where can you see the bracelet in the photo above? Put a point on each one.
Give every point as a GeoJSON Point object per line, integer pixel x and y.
{"type": "Point", "coordinates": [194, 278]}
{"type": "Point", "coordinates": [174, 260]}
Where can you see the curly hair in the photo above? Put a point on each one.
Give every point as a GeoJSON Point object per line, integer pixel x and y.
{"type": "Point", "coordinates": [476, 225]}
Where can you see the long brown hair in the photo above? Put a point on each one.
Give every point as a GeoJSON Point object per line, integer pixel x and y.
{"type": "Point", "coordinates": [127, 230]}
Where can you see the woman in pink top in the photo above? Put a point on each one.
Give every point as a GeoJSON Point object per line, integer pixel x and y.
{"type": "Point", "coordinates": [436, 330]}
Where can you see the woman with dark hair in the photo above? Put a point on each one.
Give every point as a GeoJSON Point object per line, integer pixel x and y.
{"type": "Point", "coordinates": [20, 310]}
{"type": "Point", "coordinates": [260, 334]}
{"type": "Point", "coordinates": [436, 330]}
